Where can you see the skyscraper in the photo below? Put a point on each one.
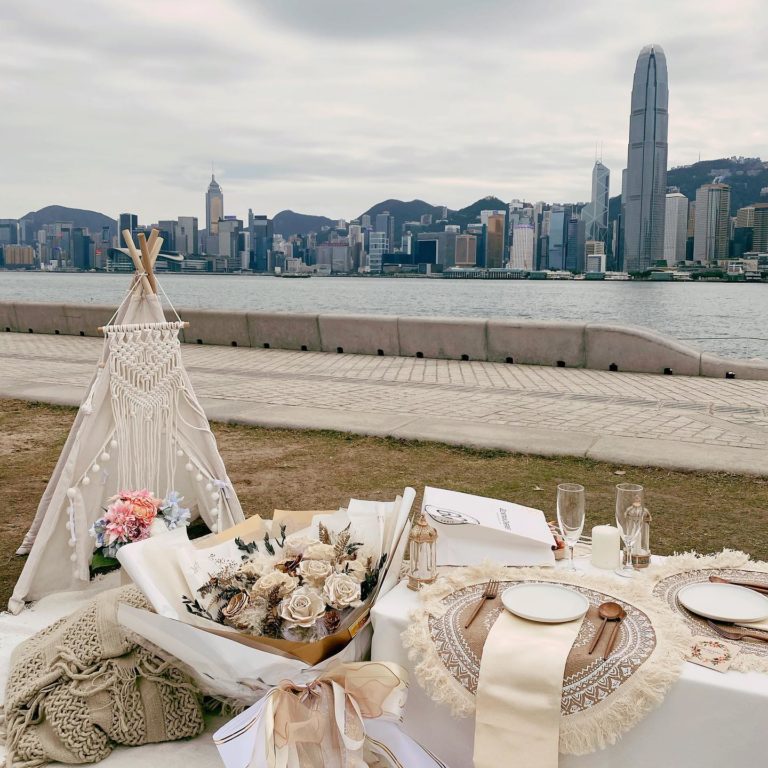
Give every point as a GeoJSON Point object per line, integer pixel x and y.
{"type": "Point", "coordinates": [214, 207]}
{"type": "Point", "coordinates": [646, 177]}
{"type": "Point", "coordinates": [675, 228]}
{"type": "Point", "coordinates": [558, 237]}
{"type": "Point", "coordinates": [521, 256]}
{"type": "Point", "coordinates": [385, 222]}
{"type": "Point", "coordinates": [595, 213]}
{"type": "Point", "coordinates": [760, 228]}
{"type": "Point", "coordinates": [710, 237]}
{"type": "Point", "coordinates": [186, 235]}
{"type": "Point", "coordinates": [129, 221]}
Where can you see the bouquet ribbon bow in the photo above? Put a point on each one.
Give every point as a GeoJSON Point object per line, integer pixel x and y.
{"type": "Point", "coordinates": [319, 724]}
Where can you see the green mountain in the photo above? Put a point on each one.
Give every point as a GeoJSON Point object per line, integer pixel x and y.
{"type": "Point", "coordinates": [78, 217]}
{"type": "Point", "coordinates": [287, 223]}
{"type": "Point", "coordinates": [472, 212]}
{"type": "Point", "coordinates": [747, 177]}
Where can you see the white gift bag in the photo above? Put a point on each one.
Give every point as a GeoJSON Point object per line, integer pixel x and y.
{"type": "Point", "coordinates": [472, 529]}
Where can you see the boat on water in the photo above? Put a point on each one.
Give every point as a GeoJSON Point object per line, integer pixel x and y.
{"type": "Point", "coordinates": [295, 274]}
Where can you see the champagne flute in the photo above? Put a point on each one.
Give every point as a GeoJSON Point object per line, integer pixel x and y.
{"type": "Point", "coordinates": [571, 510]}
{"type": "Point", "coordinates": [629, 518]}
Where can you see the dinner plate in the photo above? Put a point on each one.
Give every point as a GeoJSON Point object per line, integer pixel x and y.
{"type": "Point", "coordinates": [548, 603]}
{"type": "Point", "coordinates": [724, 602]}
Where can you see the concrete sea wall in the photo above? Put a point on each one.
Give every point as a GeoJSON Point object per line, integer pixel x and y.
{"type": "Point", "coordinates": [595, 346]}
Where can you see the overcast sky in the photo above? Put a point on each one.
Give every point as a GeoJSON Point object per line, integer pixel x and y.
{"type": "Point", "coordinates": [329, 106]}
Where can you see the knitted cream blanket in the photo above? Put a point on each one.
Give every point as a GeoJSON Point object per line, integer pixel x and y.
{"type": "Point", "coordinates": [82, 686]}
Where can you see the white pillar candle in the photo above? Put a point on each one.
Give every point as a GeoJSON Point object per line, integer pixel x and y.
{"type": "Point", "coordinates": [606, 547]}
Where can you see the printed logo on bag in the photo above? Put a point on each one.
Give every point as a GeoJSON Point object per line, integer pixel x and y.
{"type": "Point", "coordinates": [449, 517]}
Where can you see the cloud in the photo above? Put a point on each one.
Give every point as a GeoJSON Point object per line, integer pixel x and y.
{"type": "Point", "coordinates": [331, 106]}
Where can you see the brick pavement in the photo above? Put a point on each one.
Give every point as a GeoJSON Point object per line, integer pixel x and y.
{"type": "Point", "coordinates": [674, 421]}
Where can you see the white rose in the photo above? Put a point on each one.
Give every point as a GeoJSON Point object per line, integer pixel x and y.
{"type": "Point", "coordinates": [303, 608]}
{"type": "Point", "coordinates": [320, 552]}
{"type": "Point", "coordinates": [255, 568]}
{"type": "Point", "coordinates": [295, 544]}
{"type": "Point", "coordinates": [274, 579]}
{"type": "Point", "coordinates": [341, 591]}
{"type": "Point", "coordinates": [355, 568]}
{"type": "Point", "coordinates": [315, 572]}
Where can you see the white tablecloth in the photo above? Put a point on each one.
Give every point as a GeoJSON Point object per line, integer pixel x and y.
{"type": "Point", "coordinates": [708, 719]}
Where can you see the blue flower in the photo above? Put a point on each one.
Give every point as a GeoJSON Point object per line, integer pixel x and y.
{"type": "Point", "coordinates": [174, 514]}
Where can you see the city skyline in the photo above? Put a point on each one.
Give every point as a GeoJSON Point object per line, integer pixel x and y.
{"type": "Point", "coordinates": [391, 112]}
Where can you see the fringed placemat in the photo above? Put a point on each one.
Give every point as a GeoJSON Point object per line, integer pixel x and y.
{"type": "Point", "coordinates": [690, 568]}
{"type": "Point", "coordinates": [602, 698]}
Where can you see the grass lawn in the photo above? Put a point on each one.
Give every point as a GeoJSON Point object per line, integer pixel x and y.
{"type": "Point", "coordinates": [273, 468]}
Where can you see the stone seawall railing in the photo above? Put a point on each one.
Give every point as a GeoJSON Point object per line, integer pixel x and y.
{"type": "Point", "coordinates": [530, 342]}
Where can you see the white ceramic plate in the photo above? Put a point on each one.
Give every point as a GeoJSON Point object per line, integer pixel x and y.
{"type": "Point", "coordinates": [549, 603]}
{"type": "Point", "coordinates": [724, 602]}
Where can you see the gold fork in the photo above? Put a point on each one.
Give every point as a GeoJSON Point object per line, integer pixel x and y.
{"type": "Point", "coordinates": [490, 592]}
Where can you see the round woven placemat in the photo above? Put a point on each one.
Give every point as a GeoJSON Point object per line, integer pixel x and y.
{"type": "Point", "coordinates": [602, 698]}
{"type": "Point", "coordinates": [587, 680]}
{"type": "Point", "coordinates": [668, 588]}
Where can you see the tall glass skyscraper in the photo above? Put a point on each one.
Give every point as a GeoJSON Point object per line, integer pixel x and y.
{"type": "Point", "coordinates": [595, 213]}
{"type": "Point", "coordinates": [646, 177]}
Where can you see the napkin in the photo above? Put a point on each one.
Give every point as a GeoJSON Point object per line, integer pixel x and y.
{"type": "Point", "coordinates": [754, 624]}
{"type": "Point", "coordinates": [519, 691]}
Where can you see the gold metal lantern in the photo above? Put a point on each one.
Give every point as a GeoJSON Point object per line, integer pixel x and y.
{"type": "Point", "coordinates": [422, 545]}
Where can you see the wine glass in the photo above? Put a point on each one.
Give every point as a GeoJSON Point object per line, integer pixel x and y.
{"type": "Point", "coordinates": [629, 518]}
{"type": "Point", "coordinates": [570, 515]}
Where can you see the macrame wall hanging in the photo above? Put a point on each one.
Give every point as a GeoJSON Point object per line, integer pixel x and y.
{"type": "Point", "coordinates": [146, 381]}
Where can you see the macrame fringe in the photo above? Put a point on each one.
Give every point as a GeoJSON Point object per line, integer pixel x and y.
{"type": "Point", "coordinates": [601, 725]}
{"type": "Point", "coordinates": [728, 558]}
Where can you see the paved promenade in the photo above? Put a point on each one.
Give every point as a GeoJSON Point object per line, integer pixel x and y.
{"type": "Point", "coordinates": [667, 421]}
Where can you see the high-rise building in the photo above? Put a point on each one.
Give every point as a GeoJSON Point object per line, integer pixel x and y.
{"type": "Point", "coordinates": [81, 248]}
{"type": "Point", "coordinates": [9, 232]}
{"type": "Point", "coordinates": [186, 235]}
{"type": "Point", "coordinates": [760, 228]}
{"type": "Point", "coordinates": [214, 207]}
{"type": "Point", "coordinates": [167, 230]}
{"type": "Point", "coordinates": [378, 245]}
{"type": "Point", "coordinates": [646, 177]}
{"type": "Point", "coordinates": [261, 236]}
{"type": "Point", "coordinates": [594, 256]}
{"type": "Point", "coordinates": [595, 213]}
{"type": "Point", "coordinates": [745, 217]}
{"type": "Point", "coordinates": [229, 235]}
{"type": "Point", "coordinates": [558, 237]}
{"type": "Point", "coordinates": [495, 240]}
{"type": "Point", "coordinates": [523, 242]}
{"type": "Point", "coordinates": [574, 252]}
{"type": "Point", "coordinates": [710, 238]}
{"type": "Point", "coordinates": [466, 251]}
{"type": "Point", "coordinates": [129, 221]}
{"type": "Point", "coordinates": [385, 222]}
{"type": "Point", "coordinates": [675, 228]}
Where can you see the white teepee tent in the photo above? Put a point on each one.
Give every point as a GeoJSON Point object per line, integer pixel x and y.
{"type": "Point", "coordinates": [140, 426]}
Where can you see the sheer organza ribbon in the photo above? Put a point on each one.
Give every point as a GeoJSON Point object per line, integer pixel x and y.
{"type": "Point", "coordinates": [320, 724]}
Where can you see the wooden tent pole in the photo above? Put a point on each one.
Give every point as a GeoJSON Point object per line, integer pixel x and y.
{"type": "Point", "coordinates": [154, 251]}
{"type": "Point", "coordinates": [136, 260]}
{"type": "Point", "coordinates": [146, 261]}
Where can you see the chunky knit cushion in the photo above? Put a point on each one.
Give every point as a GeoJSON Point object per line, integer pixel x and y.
{"type": "Point", "coordinates": [81, 686]}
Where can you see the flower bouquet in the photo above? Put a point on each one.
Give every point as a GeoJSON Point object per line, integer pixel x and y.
{"type": "Point", "coordinates": [263, 601]}
{"type": "Point", "coordinates": [133, 516]}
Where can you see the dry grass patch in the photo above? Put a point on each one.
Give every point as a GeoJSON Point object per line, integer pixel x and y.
{"type": "Point", "coordinates": [321, 470]}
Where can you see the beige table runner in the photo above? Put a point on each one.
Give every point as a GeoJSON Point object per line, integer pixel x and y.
{"type": "Point", "coordinates": [519, 691]}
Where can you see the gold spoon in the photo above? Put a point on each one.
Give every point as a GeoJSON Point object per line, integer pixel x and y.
{"type": "Point", "coordinates": [607, 612]}
{"type": "Point", "coordinates": [614, 634]}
